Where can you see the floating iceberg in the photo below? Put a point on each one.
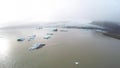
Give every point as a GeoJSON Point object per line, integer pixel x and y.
{"type": "Point", "coordinates": [54, 29]}
{"type": "Point", "coordinates": [36, 46]}
{"type": "Point", "coordinates": [20, 39]}
{"type": "Point", "coordinates": [31, 37]}
{"type": "Point", "coordinates": [47, 37]}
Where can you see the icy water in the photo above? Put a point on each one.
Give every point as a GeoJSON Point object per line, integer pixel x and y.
{"type": "Point", "coordinates": [73, 49]}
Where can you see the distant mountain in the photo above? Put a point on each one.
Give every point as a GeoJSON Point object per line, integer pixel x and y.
{"type": "Point", "coordinates": [112, 29]}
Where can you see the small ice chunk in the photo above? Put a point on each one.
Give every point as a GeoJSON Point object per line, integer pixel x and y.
{"type": "Point", "coordinates": [63, 30]}
{"type": "Point", "coordinates": [76, 62]}
{"type": "Point", "coordinates": [101, 31]}
{"type": "Point", "coordinates": [54, 29]}
{"type": "Point", "coordinates": [20, 39]}
{"type": "Point", "coordinates": [47, 37]}
{"type": "Point", "coordinates": [49, 33]}
{"type": "Point", "coordinates": [39, 27]}
{"type": "Point", "coordinates": [31, 37]}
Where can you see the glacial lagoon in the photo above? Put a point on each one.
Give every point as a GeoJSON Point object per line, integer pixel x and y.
{"type": "Point", "coordinates": [76, 48]}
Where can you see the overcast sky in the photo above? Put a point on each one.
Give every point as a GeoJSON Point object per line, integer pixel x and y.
{"type": "Point", "coordinates": [19, 12]}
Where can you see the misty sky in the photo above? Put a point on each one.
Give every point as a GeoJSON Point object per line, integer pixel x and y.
{"type": "Point", "coordinates": [16, 12]}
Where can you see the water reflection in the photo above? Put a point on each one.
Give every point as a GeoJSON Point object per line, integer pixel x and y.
{"type": "Point", "coordinates": [5, 61]}
{"type": "Point", "coordinates": [4, 47]}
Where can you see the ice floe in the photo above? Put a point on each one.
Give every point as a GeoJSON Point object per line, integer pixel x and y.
{"type": "Point", "coordinates": [20, 39]}
{"type": "Point", "coordinates": [47, 36]}
{"type": "Point", "coordinates": [31, 37]}
{"type": "Point", "coordinates": [36, 46]}
{"type": "Point", "coordinates": [49, 33]}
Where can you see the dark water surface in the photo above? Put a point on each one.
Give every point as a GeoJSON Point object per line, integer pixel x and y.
{"type": "Point", "coordinates": [90, 49]}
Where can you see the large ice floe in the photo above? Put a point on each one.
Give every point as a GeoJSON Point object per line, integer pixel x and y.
{"type": "Point", "coordinates": [36, 46]}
